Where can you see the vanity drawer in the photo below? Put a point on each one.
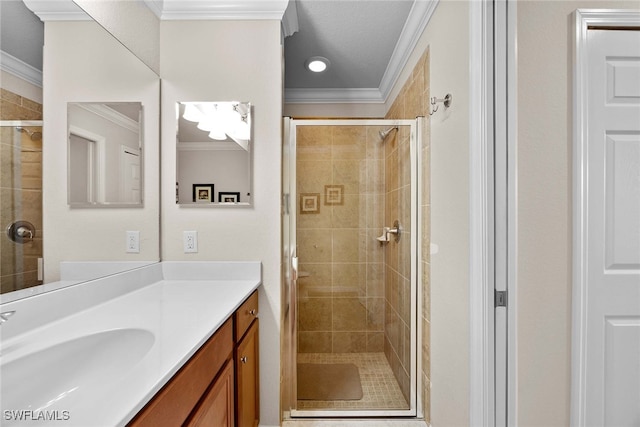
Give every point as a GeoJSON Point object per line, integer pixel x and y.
{"type": "Point", "coordinates": [244, 315]}
{"type": "Point", "coordinates": [172, 404]}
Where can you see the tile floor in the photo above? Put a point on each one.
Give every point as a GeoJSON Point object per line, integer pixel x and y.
{"type": "Point", "coordinates": [379, 386]}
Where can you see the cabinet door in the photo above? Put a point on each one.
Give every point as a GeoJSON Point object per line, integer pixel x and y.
{"type": "Point", "coordinates": [216, 407]}
{"type": "Point", "coordinates": [247, 377]}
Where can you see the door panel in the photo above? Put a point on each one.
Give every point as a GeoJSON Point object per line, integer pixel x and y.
{"type": "Point", "coordinates": [612, 383]}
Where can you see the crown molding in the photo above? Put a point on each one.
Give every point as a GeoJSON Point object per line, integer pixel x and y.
{"type": "Point", "coordinates": [329, 96]}
{"type": "Point", "coordinates": [20, 69]}
{"type": "Point", "coordinates": [419, 16]}
{"type": "Point", "coordinates": [111, 115]}
{"type": "Point", "coordinates": [57, 10]}
{"type": "Point", "coordinates": [223, 9]}
{"type": "Point", "coordinates": [155, 6]}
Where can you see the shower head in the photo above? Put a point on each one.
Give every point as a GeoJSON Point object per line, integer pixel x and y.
{"type": "Point", "coordinates": [34, 135]}
{"type": "Point", "coordinates": [383, 133]}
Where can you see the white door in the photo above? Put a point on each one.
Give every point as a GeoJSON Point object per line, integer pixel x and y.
{"type": "Point", "coordinates": [130, 190]}
{"type": "Point", "coordinates": [611, 240]}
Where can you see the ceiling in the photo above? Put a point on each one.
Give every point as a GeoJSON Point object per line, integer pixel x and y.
{"type": "Point", "coordinates": [366, 41]}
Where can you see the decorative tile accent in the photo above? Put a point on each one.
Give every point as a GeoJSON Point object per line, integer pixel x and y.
{"type": "Point", "coordinates": [309, 203]}
{"type": "Point", "coordinates": [334, 195]}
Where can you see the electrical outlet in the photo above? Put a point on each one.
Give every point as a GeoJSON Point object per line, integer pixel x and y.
{"type": "Point", "coordinates": [133, 242]}
{"type": "Point", "coordinates": [190, 241]}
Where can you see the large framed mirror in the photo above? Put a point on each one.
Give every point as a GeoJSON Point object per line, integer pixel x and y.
{"type": "Point", "coordinates": [105, 154]}
{"type": "Point", "coordinates": [213, 154]}
{"type": "Point", "coordinates": [84, 63]}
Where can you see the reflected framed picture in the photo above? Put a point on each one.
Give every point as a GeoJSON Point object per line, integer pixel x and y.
{"type": "Point", "coordinates": [203, 193]}
{"type": "Point", "coordinates": [309, 203]}
{"type": "Point", "coordinates": [228, 197]}
{"type": "Point", "coordinates": [334, 195]}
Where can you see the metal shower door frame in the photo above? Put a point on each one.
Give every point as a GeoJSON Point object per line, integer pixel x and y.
{"type": "Point", "coordinates": [415, 401]}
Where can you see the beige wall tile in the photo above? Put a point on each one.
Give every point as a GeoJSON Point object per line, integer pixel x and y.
{"type": "Point", "coordinates": [375, 279]}
{"type": "Point", "coordinates": [349, 213]}
{"type": "Point", "coordinates": [313, 175]}
{"type": "Point", "coordinates": [375, 342]}
{"type": "Point", "coordinates": [349, 279]}
{"type": "Point", "coordinates": [349, 342]}
{"type": "Point", "coordinates": [314, 314]}
{"type": "Point", "coordinates": [314, 342]}
{"type": "Point", "coordinates": [313, 143]}
{"type": "Point", "coordinates": [314, 245]}
{"type": "Point", "coordinates": [348, 173]}
{"type": "Point", "coordinates": [375, 314]}
{"type": "Point", "coordinates": [349, 314]}
{"type": "Point", "coordinates": [349, 142]}
{"type": "Point", "coordinates": [346, 245]}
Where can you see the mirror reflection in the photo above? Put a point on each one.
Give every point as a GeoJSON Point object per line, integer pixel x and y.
{"type": "Point", "coordinates": [213, 154]}
{"type": "Point", "coordinates": [105, 154]}
{"type": "Point", "coordinates": [40, 246]}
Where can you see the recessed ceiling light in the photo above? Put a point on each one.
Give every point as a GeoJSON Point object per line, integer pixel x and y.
{"type": "Point", "coordinates": [317, 64]}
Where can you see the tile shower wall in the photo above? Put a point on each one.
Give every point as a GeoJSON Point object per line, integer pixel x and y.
{"type": "Point", "coordinates": [340, 191]}
{"type": "Point", "coordinates": [20, 191]}
{"type": "Point", "coordinates": [397, 304]}
{"type": "Point", "coordinates": [411, 102]}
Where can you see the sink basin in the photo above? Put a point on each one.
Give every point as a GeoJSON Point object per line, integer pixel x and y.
{"type": "Point", "coordinates": [54, 375]}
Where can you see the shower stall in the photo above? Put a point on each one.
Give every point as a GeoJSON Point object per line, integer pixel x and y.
{"type": "Point", "coordinates": [21, 204]}
{"type": "Point", "coordinates": [351, 300]}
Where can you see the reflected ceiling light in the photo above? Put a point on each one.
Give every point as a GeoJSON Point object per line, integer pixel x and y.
{"type": "Point", "coordinates": [191, 112]}
{"type": "Point", "coordinates": [317, 64]}
{"type": "Point", "coordinates": [221, 120]}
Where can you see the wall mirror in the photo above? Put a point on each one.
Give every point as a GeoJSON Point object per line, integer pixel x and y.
{"type": "Point", "coordinates": [85, 64]}
{"type": "Point", "coordinates": [213, 154]}
{"type": "Point", "coordinates": [104, 154]}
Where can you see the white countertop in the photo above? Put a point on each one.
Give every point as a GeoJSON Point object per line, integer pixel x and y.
{"type": "Point", "coordinates": [181, 315]}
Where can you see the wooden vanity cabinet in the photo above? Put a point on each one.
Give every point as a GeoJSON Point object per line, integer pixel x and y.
{"type": "Point", "coordinates": [174, 403]}
{"type": "Point", "coordinates": [216, 409]}
{"type": "Point", "coordinates": [218, 386]}
{"type": "Point", "coordinates": [246, 358]}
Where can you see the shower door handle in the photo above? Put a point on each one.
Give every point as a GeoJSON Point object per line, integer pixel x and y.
{"type": "Point", "coordinates": [294, 267]}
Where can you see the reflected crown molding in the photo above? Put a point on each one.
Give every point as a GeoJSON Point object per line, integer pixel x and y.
{"type": "Point", "coordinates": [67, 10]}
{"type": "Point", "coordinates": [209, 146]}
{"type": "Point", "coordinates": [21, 69]}
{"type": "Point", "coordinates": [111, 115]}
{"type": "Point", "coordinates": [220, 9]}
{"type": "Point", "coordinates": [57, 10]}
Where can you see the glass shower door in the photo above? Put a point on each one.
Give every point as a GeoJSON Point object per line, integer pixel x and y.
{"type": "Point", "coordinates": [20, 204]}
{"type": "Point", "coordinates": [353, 199]}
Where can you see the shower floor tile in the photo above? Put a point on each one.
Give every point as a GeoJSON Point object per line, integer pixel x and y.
{"type": "Point", "coordinates": [379, 387]}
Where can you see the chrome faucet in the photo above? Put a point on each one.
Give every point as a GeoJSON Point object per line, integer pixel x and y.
{"type": "Point", "coordinates": [6, 315]}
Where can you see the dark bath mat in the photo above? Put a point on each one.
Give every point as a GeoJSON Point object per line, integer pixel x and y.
{"type": "Point", "coordinates": [329, 381]}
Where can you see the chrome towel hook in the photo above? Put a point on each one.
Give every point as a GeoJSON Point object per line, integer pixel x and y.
{"type": "Point", "coordinates": [446, 101]}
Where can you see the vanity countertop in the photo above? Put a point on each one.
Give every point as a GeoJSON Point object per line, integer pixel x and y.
{"type": "Point", "coordinates": [166, 321]}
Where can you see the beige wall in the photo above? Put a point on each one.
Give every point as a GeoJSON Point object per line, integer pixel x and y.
{"type": "Point", "coordinates": [84, 63]}
{"type": "Point", "coordinates": [544, 177]}
{"type": "Point", "coordinates": [131, 22]}
{"type": "Point", "coordinates": [227, 61]}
